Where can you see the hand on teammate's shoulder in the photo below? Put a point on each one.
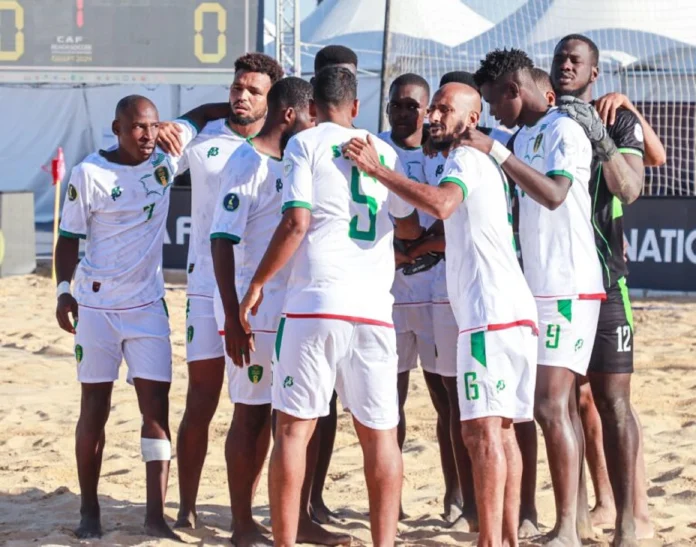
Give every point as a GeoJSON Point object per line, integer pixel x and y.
{"type": "Point", "coordinates": [169, 138]}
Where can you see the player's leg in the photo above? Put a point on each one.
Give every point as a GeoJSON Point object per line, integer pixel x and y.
{"type": "Point", "coordinates": [604, 511]}
{"type": "Point", "coordinates": [583, 517]}
{"type": "Point", "coordinates": [148, 354]}
{"type": "Point", "coordinates": [89, 448]}
{"type": "Point", "coordinates": [446, 335]}
{"type": "Point", "coordinates": [249, 436]}
{"type": "Point", "coordinates": [206, 369]}
{"type": "Point", "coordinates": [98, 356]}
{"type": "Point", "coordinates": [402, 386]}
{"type": "Point", "coordinates": [526, 435]}
{"type": "Point", "coordinates": [644, 527]}
{"type": "Point", "coordinates": [366, 384]}
{"type": "Point", "coordinates": [555, 386]}
{"type": "Point", "coordinates": [610, 377]}
{"type": "Point", "coordinates": [511, 507]}
{"type": "Point", "coordinates": [326, 432]}
{"type": "Point", "coordinates": [304, 379]}
{"type": "Point", "coordinates": [308, 530]}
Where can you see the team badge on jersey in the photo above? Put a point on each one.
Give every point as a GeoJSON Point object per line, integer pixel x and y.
{"type": "Point", "coordinates": [230, 202]}
{"type": "Point", "coordinates": [162, 175]}
{"type": "Point", "coordinates": [72, 192]}
{"type": "Point", "coordinates": [255, 373]}
{"type": "Point", "coordinates": [279, 185]}
{"type": "Point", "coordinates": [78, 353]}
{"type": "Point", "coordinates": [189, 334]}
{"type": "Point", "coordinates": [214, 151]}
{"type": "Point", "coordinates": [96, 286]}
{"type": "Point", "coordinates": [116, 193]}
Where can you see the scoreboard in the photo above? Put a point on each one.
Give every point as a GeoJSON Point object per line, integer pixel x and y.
{"type": "Point", "coordinates": [125, 41]}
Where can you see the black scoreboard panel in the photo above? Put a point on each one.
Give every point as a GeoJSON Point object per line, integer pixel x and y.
{"type": "Point", "coordinates": [118, 41]}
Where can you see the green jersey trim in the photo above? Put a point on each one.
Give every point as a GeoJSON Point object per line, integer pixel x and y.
{"type": "Point", "coordinates": [296, 204]}
{"type": "Point", "coordinates": [190, 122]}
{"type": "Point", "coordinates": [458, 182]}
{"type": "Point", "coordinates": [562, 173]}
{"type": "Point", "coordinates": [632, 151]}
{"type": "Point", "coordinates": [71, 235]}
{"type": "Point", "coordinates": [616, 208]}
{"type": "Point", "coordinates": [251, 142]}
{"type": "Point", "coordinates": [222, 235]}
{"type": "Point", "coordinates": [228, 126]}
{"type": "Point", "coordinates": [626, 301]}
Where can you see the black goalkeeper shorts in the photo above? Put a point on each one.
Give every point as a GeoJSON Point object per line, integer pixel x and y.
{"type": "Point", "coordinates": [613, 347]}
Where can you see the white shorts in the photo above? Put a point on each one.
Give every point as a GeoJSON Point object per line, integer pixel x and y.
{"type": "Point", "coordinates": [446, 334]}
{"type": "Point", "coordinates": [567, 331]}
{"type": "Point", "coordinates": [414, 337]}
{"type": "Point", "coordinates": [104, 338]}
{"type": "Point", "coordinates": [251, 384]}
{"type": "Point", "coordinates": [202, 338]}
{"type": "Point", "coordinates": [358, 360]}
{"type": "Point", "coordinates": [496, 374]}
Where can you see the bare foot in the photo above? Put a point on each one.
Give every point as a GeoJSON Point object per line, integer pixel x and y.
{"type": "Point", "coordinates": [157, 527]}
{"type": "Point", "coordinates": [90, 526]}
{"type": "Point", "coordinates": [321, 514]}
{"type": "Point", "coordinates": [253, 538]}
{"type": "Point", "coordinates": [555, 540]}
{"type": "Point", "coordinates": [603, 515]}
{"type": "Point", "coordinates": [585, 530]}
{"type": "Point", "coordinates": [309, 531]}
{"type": "Point", "coordinates": [528, 529]}
{"type": "Point", "coordinates": [452, 513]}
{"type": "Point", "coordinates": [465, 523]}
{"type": "Point", "coordinates": [186, 519]}
{"type": "Point", "coordinates": [644, 528]}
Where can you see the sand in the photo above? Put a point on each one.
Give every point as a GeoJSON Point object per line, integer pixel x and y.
{"type": "Point", "coordinates": [39, 402]}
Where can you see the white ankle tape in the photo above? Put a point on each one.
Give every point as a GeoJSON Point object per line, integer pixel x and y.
{"type": "Point", "coordinates": [156, 450]}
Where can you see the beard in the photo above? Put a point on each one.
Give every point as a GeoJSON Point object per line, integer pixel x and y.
{"type": "Point", "coordinates": [449, 138]}
{"type": "Point", "coordinates": [579, 92]}
{"type": "Point", "coordinates": [236, 119]}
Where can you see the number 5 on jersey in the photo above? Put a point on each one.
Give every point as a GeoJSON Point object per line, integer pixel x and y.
{"type": "Point", "coordinates": [362, 199]}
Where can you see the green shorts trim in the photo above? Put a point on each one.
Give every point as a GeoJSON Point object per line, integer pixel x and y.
{"type": "Point", "coordinates": [626, 301]}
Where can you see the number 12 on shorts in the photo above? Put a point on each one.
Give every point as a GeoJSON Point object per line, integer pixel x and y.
{"type": "Point", "coordinates": [623, 338]}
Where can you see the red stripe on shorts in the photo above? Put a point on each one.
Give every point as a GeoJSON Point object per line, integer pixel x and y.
{"type": "Point", "coordinates": [502, 326]}
{"type": "Point", "coordinates": [340, 318]}
{"type": "Point", "coordinates": [596, 296]}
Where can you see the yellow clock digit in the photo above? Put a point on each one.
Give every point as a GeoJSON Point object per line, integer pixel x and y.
{"type": "Point", "coordinates": [18, 51]}
{"type": "Point", "coordinates": [217, 9]}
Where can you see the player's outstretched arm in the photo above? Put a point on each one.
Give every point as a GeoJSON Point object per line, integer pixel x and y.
{"type": "Point", "coordinates": [439, 202]}
{"type": "Point", "coordinates": [624, 173]}
{"type": "Point", "coordinates": [548, 191]}
{"type": "Point", "coordinates": [284, 244]}
{"type": "Point", "coordinates": [169, 138]}
{"type": "Point", "coordinates": [607, 105]}
{"type": "Point", "coordinates": [238, 343]}
{"type": "Point", "coordinates": [67, 249]}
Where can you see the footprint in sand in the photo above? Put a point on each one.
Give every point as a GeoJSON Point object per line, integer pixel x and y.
{"type": "Point", "coordinates": [686, 495]}
{"type": "Point", "coordinates": [656, 492]}
{"type": "Point", "coordinates": [669, 475]}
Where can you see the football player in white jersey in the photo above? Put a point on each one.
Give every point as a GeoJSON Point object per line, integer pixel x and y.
{"type": "Point", "coordinates": [494, 308]}
{"type": "Point", "coordinates": [337, 331]}
{"type": "Point", "coordinates": [254, 75]}
{"type": "Point", "coordinates": [246, 214]}
{"type": "Point", "coordinates": [551, 168]}
{"type": "Point", "coordinates": [409, 96]}
{"type": "Point", "coordinates": [118, 201]}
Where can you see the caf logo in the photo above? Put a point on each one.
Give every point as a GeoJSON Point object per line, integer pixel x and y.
{"type": "Point", "coordinates": [230, 202]}
{"type": "Point", "coordinates": [162, 175]}
{"type": "Point", "coordinates": [255, 373]}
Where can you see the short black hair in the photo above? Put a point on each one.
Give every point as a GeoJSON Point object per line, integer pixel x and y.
{"type": "Point", "coordinates": [459, 77]}
{"type": "Point", "coordinates": [290, 92]}
{"type": "Point", "coordinates": [261, 63]}
{"type": "Point", "coordinates": [410, 79]}
{"type": "Point", "coordinates": [335, 85]}
{"type": "Point", "coordinates": [594, 50]}
{"type": "Point", "coordinates": [541, 78]}
{"type": "Point", "coordinates": [334, 55]}
{"type": "Point", "coordinates": [129, 101]}
{"type": "Point", "coordinates": [500, 62]}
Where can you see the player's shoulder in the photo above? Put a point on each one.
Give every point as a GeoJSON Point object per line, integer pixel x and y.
{"type": "Point", "coordinates": [91, 166]}
{"type": "Point", "coordinates": [384, 147]}
{"type": "Point", "coordinates": [626, 123]}
{"type": "Point", "coordinates": [560, 122]}
{"type": "Point", "coordinates": [211, 129]}
{"type": "Point", "coordinates": [244, 159]}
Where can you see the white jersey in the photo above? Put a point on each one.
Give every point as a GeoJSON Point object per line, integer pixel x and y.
{"type": "Point", "coordinates": [345, 264]}
{"type": "Point", "coordinates": [434, 167]}
{"type": "Point", "coordinates": [485, 283]}
{"type": "Point", "coordinates": [558, 247]}
{"type": "Point", "coordinates": [206, 157]}
{"type": "Point", "coordinates": [412, 290]}
{"type": "Point", "coordinates": [121, 210]}
{"type": "Point", "coordinates": [247, 212]}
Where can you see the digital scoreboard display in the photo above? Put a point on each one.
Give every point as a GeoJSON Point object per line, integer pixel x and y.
{"type": "Point", "coordinates": [124, 41]}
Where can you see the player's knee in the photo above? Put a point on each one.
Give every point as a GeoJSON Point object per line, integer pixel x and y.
{"type": "Point", "coordinates": [250, 418]}
{"type": "Point", "coordinates": [586, 401]}
{"type": "Point", "coordinates": [480, 433]}
{"type": "Point", "coordinates": [201, 403]}
{"type": "Point", "coordinates": [155, 449]}
{"type": "Point", "coordinates": [613, 405]}
{"type": "Point", "coordinates": [548, 411]}
{"type": "Point", "coordinates": [94, 411]}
